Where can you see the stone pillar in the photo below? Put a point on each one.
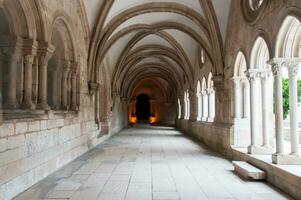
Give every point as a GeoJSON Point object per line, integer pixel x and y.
{"type": "Point", "coordinates": [266, 130]}
{"type": "Point", "coordinates": [253, 76]}
{"type": "Point", "coordinates": [27, 93]}
{"type": "Point", "coordinates": [74, 88]}
{"type": "Point", "coordinates": [211, 104]}
{"type": "Point", "coordinates": [205, 106]}
{"type": "Point", "coordinates": [237, 97]}
{"type": "Point", "coordinates": [45, 51]}
{"type": "Point", "coordinates": [246, 100]}
{"type": "Point", "coordinates": [182, 101]}
{"type": "Point", "coordinates": [192, 103]}
{"type": "Point", "coordinates": [1, 88]}
{"type": "Point", "coordinates": [12, 50]}
{"type": "Point", "coordinates": [35, 79]}
{"type": "Point", "coordinates": [29, 51]}
{"type": "Point", "coordinates": [293, 69]}
{"type": "Point", "coordinates": [278, 107]}
{"type": "Point", "coordinates": [200, 106]}
{"type": "Point", "coordinates": [65, 85]}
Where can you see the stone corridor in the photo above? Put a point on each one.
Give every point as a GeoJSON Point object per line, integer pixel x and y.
{"type": "Point", "coordinates": [145, 163]}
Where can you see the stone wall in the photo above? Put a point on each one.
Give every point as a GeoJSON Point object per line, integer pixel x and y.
{"type": "Point", "coordinates": [35, 143]}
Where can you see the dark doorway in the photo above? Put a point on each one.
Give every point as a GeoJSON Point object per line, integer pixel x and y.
{"type": "Point", "coordinates": [143, 107]}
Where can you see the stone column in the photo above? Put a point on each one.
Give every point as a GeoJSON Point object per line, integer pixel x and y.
{"type": "Point", "coordinates": [35, 83]}
{"type": "Point", "coordinates": [211, 103]}
{"type": "Point", "coordinates": [266, 131]}
{"type": "Point", "coordinates": [253, 76]}
{"type": "Point", "coordinates": [66, 70]}
{"type": "Point", "coordinates": [278, 107]}
{"type": "Point", "coordinates": [205, 105]}
{"type": "Point", "coordinates": [200, 106]}
{"type": "Point", "coordinates": [237, 97]}
{"type": "Point", "coordinates": [1, 87]}
{"type": "Point", "coordinates": [27, 93]}
{"type": "Point", "coordinates": [182, 101]}
{"type": "Point", "coordinates": [45, 51]}
{"type": "Point", "coordinates": [74, 88]}
{"type": "Point", "coordinates": [192, 103]}
{"type": "Point", "coordinates": [246, 100]}
{"type": "Point", "coordinates": [293, 69]}
{"type": "Point", "coordinates": [29, 51]}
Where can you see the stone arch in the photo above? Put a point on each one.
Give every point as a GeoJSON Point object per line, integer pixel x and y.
{"type": "Point", "coordinates": [240, 65]}
{"type": "Point", "coordinates": [63, 67]}
{"type": "Point", "coordinates": [241, 87]}
{"type": "Point", "coordinates": [16, 19]}
{"type": "Point", "coordinates": [260, 54]}
{"type": "Point", "coordinates": [289, 38]}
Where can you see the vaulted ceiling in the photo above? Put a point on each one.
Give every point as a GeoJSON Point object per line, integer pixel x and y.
{"type": "Point", "coordinates": [140, 39]}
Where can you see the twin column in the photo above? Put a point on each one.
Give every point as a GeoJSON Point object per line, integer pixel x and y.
{"type": "Point", "coordinates": [254, 75]}
{"type": "Point", "coordinates": [293, 66]}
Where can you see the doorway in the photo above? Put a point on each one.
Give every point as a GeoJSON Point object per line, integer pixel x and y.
{"type": "Point", "coordinates": [143, 109]}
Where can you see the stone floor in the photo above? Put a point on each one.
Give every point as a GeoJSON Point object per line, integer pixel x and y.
{"type": "Point", "coordinates": [145, 163]}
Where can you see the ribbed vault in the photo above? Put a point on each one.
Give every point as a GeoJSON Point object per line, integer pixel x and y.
{"type": "Point", "coordinates": [141, 40]}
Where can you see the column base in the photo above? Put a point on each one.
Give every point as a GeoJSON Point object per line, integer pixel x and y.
{"type": "Point", "coordinates": [75, 108]}
{"type": "Point", "coordinates": [286, 159]}
{"type": "Point", "coordinates": [28, 106]}
{"type": "Point", "coordinates": [262, 150]}
{"type": "Point", "coordinates": [204, 119]}
{"type": "Point", "coordinates": [12, 105]}
{"type": "Point", "coordinates": [43, 106]}
{"type": "Point", "coordinates": [209, 119]}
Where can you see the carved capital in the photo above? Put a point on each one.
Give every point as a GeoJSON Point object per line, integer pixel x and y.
{"type": "Point", "coordinates": [237, 79]}
{"type": "Point", "coordinates": [30, 47]}
{"type": "Point", "coordinates": [253, 74]}
{"type": "Point", "coordinates": [93, 87]}
{"type": "Point", "coordinates": [45, 52]}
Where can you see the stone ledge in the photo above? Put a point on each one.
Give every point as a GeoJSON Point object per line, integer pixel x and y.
{"type": "Point", "coordinates": [248, 171]}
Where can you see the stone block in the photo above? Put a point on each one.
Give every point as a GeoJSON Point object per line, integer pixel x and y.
{"type": "Point", "coordinates": [3, 144]}
{"type": "Point", "coordinates": [7, 129]}
{"type": "Point", "coordinates": [43, 124]}
{"type": "Point", "coordinates": [284, 159]}
{"type": "Point", "coordinates": [15, 141]}
{"type": "Point", "coordinates": [33, 126]}
{"type": "Point", "coordinates": [21, 127]}
{"type": "Point", "coordinates": [248, 171]}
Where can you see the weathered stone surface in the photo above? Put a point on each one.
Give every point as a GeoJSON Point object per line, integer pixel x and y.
{"type": "Point", "coordinates": [248, 171]}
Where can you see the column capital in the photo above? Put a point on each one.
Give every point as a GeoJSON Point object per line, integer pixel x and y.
{"type": "Point", "coordinates": [237, 79]}
{"type": "Point", "coordinates": [204, 92]}
{"type": "Point", "coordinates": [93, 87]}
{"type": "Point", "coordinates": [252, 74]}
{"type": "Point", "coordinates": [45, 52]}
{"type": "Point", "coordinates": [30, 47]}
{"type": "Point", "coordinates": [265, 74]}
{"type": "Point", "coordinates": [209, 91]}
{"type": "Point", "coordinates": [293, 68]}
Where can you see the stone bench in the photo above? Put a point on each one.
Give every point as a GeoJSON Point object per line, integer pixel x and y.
{"type": "Point", "coordinates": [248, 171]}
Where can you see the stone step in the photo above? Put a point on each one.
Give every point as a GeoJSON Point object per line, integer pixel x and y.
{"type": "Point", "coordinates": [248, 171]}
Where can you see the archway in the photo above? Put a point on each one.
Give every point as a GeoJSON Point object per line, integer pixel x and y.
{"type": "Point", "coordinates": [143, 108]}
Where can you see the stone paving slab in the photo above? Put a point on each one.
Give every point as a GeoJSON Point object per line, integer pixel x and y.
{"type": "Point", "coordinates": [149, 163]}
